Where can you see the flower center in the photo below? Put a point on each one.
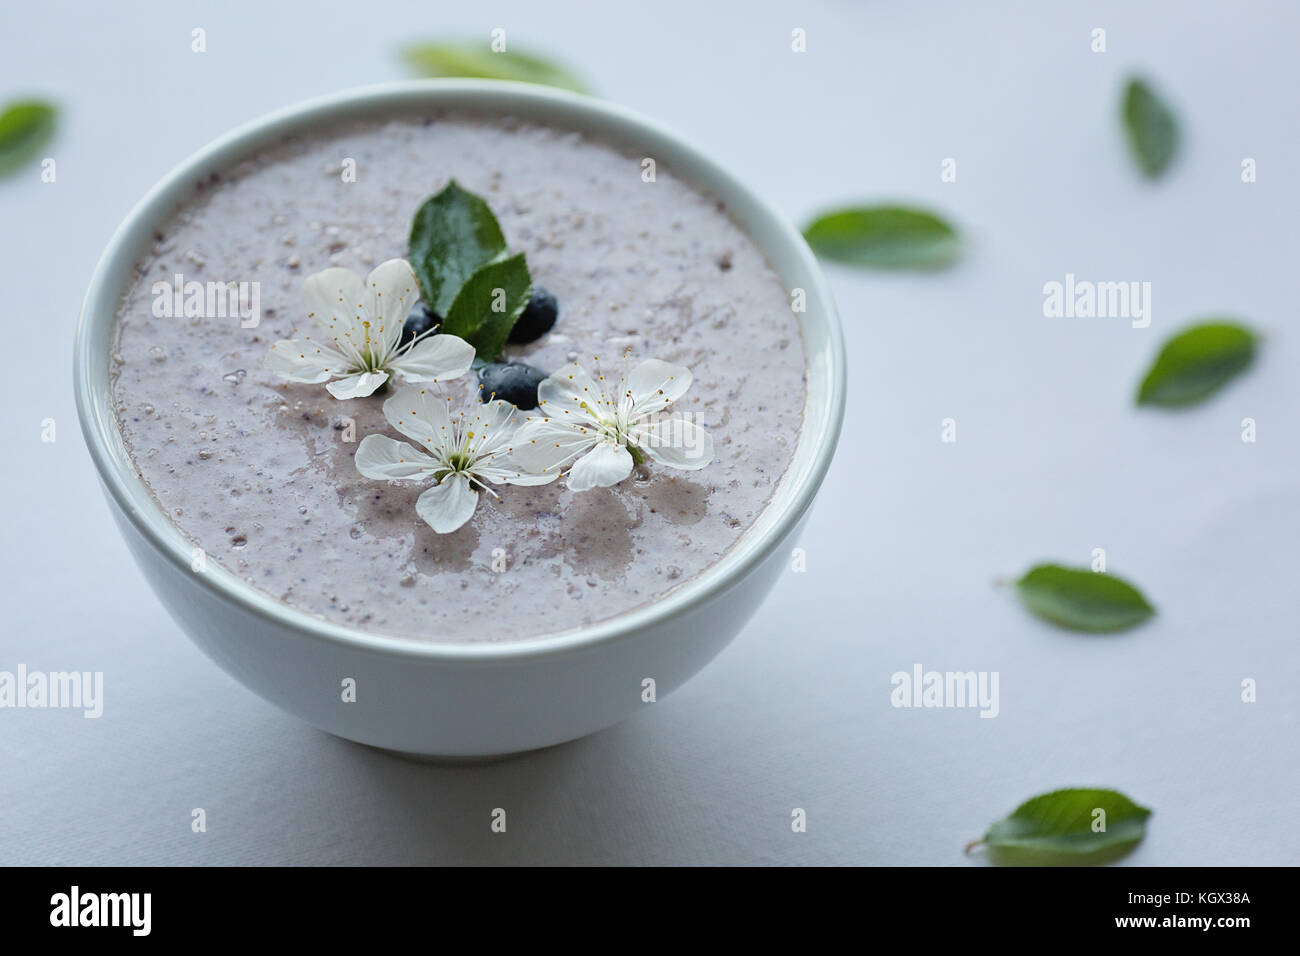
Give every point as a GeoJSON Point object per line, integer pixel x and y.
{"type": "Point", "coordinates": [611, 427]}
{"type": "Point", "coordinates": [370, 357]}
{"type": "Point", "coordinates": [459, 460]}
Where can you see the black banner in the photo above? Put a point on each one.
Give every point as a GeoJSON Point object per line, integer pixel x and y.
{"type": "Point", "coordinates": [332, 904]}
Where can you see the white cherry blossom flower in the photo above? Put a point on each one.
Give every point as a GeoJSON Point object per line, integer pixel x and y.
{"type": "Point", "coordinates": [458, 450]}
{"type": "Point", "coordinates": [361, 341]}
{"type": "Point", "coordinates": [600, 435]}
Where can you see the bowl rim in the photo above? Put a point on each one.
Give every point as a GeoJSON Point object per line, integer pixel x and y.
{"type": "Point", "coordinates": [130, 493]}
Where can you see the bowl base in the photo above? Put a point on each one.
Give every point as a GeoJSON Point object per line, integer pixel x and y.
{"type": "Point", "coordinates": [458, 760]}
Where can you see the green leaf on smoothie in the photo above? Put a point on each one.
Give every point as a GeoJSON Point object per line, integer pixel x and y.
{"type": "Point", "coordinates": [1083, 600]}
{"type": "Point", "coordinates": [884, 237]}
{"type": "Point", "coordinates": [478, 61]}
{"type": "Point", "coordinates": [1151, 128]}
{"type": "Point", "coordinates": [454, 233]}
{"type": "Point", "coordinates": [1073, 827]}
{"type": "Point", "coordinates": [488, 305]}
{"type": "Point", "coordinates": [1196, 363]}
{"type": "Point", "coordinates": [459, 256]}
{"type": "Point", "coordinates": [25, 127]}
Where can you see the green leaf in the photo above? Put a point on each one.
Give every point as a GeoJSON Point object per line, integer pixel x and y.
{"type": "Point", "coordinates": [477, 60]}
{"type": "Point", "coordinates": [1056, 829]}
{"type": "Point", "coordinates": [884, 237]}
{"type": "Point", "coordinates": [1196, 363]}
{"type": "Point", "coordinates": [459, 255]}
{"type": "Point", "coordinates": [454, 233]}
{"type": "Point", "coordinates": [488, 305]}
{"type": "Point", "coordinates": [25, 127]}
{"type": "Point", "coordinates": [1151, 127]}
{"type": "Point", "coordinates": [1083, 600]}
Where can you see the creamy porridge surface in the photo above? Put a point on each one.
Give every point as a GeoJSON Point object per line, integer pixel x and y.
{"type": "Point", "coordinates": [257, 471]}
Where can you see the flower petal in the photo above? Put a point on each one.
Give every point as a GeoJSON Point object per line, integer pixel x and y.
{"type": "Point", "coordinates": [506, 471]}
{"type": "Point", "coordinates": [333, 298]}
{"type": "Point", "coordinates": [606, 464]}
{"type": "Point", "coordinates": [423, 415]}
{"type": "Point", "coordinates": [571, 394]}
{"type": "Point", "coordinates": [675, 442]}
{"type": "Point", "coordinates": [386, 459]}
{"type": "Point", "coordinates": [491, 428]}
{"type": "Point", "coordinates": [654, 385]}
{"type": "Point", "coordinates": [434, 358]}
{"type": "Point", "coordinates": [357, 386]}
{"type": "Point", "coordinates": [447, 505]}
{"type": "Point", "coordinates": [391, 291]}
{"type": "Point", "coordinates": [302, 360]}
{"type": "Point", "coordinates": [543, 446]}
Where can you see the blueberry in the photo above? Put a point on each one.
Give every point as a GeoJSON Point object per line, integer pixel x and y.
{"type": "Point", "coordinates": [537, 318]}
{"type": "Point", "coordinates": [421, 320]}
{"type": "Point", "coordinates": [512, 382]}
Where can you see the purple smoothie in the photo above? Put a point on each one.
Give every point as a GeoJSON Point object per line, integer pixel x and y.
{"type": "Point", "coordinates": [259, 473]}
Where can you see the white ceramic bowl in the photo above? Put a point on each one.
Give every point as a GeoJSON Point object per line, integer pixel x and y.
{"type": "Point", "coordinates": [462, 700]}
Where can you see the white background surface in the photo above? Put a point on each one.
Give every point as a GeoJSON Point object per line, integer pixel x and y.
{"type": "Point", "coordinates": [1052, 459]}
